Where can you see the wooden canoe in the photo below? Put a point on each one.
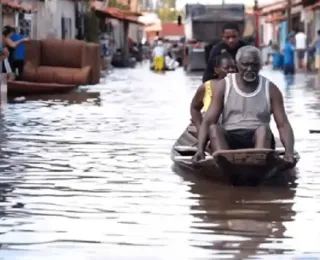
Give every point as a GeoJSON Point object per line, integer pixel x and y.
{"type": "Point", "coordinates": [165, 69]}
{"type": "Point", "coordinates": [238, 167]}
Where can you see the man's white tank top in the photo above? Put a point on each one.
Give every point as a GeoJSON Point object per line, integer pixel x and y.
{"type": "Point", "coordinates": [246, 110]}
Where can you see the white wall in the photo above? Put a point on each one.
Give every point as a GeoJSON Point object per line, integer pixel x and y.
{"type": "Point", "coordinates": [135, 32]}
{"type": "Point", "coordinates": [117, 32]}
{"type": "Point", "coordinates": [316, 18]}
{"type": "Point", "coordinates": [66, 9]}
{"type": "Point", "coordinates": [8, 19]}
{"type": "Point", "coordinates": [267, 31]}
{"type": "Point", "coordinates": [188, 29]}
{"type": "Point", "coordinates": [49, 18]}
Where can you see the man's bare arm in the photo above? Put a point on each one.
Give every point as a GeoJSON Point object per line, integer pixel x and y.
{"type": "Point", "coordinates": [212, 115]}
{"type": "Point", "coordinates": [4, 54]}
{"type": "Point", "coordinates": [281, 119]}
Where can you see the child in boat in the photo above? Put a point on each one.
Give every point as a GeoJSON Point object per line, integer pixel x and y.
{"type": "Point", "coordinates": [223, 64]}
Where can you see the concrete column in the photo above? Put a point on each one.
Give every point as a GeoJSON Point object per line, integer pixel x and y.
{"type": "Point", "coordinates": [126, 42]}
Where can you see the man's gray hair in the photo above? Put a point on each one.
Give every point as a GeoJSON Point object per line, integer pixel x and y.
{"type": "Point", "coordinates": [250, 49]}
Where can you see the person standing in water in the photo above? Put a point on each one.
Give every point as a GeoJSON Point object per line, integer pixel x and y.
{"type": "Point", "coordinates": [19, 53]}
{"type": "Point", "coordinates": [288, 56]}
{"type": "Point", "coordinates": [289, 61]}
{"type": "Point", "coordinates": [223, 65]}
{"type": "Point", "coordinates": [11, 45]}
{"type": "Point", "coordinates": [158, 54]}
{"type": "Point", "coordinates": [246, 102]}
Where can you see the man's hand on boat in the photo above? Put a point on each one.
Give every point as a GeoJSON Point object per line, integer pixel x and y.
{"type": "Point", "coordinates": [198, 157]}
{"type": "Point", "coordinates": [246, 101]}
{"type": "Point", "coordinates": [290, 158]}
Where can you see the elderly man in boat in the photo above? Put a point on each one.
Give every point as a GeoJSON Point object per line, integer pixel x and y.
{"type": "Point", "coordinates": [246, 101]}
{"type": "Point", "coordinates": [223, 64]}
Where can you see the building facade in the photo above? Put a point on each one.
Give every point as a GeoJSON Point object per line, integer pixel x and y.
{"type": "Point", "coordinates": [305, 15]}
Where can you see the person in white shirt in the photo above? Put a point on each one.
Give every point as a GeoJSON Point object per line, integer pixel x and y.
{"type": "Point", "coordinates": [158, 54]}
{"type": "Point", "coordinates": [301, 46]}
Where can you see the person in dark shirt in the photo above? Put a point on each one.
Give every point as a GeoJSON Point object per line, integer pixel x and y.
{"type": "Point", "coordinates": [19, 53]}
{"type": "Point", "coordinates": [288, 56]}
{"type": "Point", "coordinates": [230, 42]}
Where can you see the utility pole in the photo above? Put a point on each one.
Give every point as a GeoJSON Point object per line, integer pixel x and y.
{"type": "Point", "coordinates": [3, 80]}
{"type": "Point", "coordinates": [1, 25]}
{"type": "Point", "coordinates": [289, 6]}
{"type": "Point", "coordinates": [257, 24]}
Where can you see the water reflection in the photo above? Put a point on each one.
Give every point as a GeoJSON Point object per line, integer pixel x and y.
{"type": "Point", "coordinates": [243, 221]}
{"type": "Point", "coordinates": [289, 79]}
{"type": "Point", "coordinates": [88, 176]}
{"type": "Point", "coordinates": [75, 97]}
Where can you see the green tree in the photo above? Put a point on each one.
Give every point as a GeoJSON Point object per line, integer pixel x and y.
{"type": "Point", "coordinates": [168, 14]}
{"type": "Point", "coordinates": [116, 4]}
{"type": "Point", "coordinates": [168, 4]}
{"type": "Point", "coordinates": [91, 28]}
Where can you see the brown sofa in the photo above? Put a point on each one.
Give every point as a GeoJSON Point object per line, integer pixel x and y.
{"type": "Point", "coordinates": [62, 62]}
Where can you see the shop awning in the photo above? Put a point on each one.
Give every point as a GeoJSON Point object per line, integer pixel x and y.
{"type": "Point", "coordinates": [279, 6]}
{"type": "Point", "coordinates": [116, 13]}
{"type": "Point", "coordinates": [18, 7]}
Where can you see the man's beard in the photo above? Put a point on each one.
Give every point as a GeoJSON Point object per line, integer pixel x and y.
{"type": "Point", "coordinates": [250, 76]}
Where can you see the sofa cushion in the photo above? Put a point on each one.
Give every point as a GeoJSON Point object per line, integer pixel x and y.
{"type": "Point", "coordinates": [45, 74]}
{"type": "Point", "coordinates": [61, 53]}
{"type": "Point", "coordinates": [62, 75]}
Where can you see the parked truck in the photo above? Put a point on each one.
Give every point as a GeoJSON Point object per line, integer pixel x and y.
{"type": "Point", "coordinates": [203, 27]}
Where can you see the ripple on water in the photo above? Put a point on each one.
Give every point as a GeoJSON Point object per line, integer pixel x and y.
{"type": "Point", "coordinates": [88, 176]}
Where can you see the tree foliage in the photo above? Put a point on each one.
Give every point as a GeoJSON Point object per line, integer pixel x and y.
{"type": "Point", "coordinates": [91, 28]}
{"type": "Point", "coordinates": [168, 14]}
{"type": "Point", "coordinates": [116, 4]}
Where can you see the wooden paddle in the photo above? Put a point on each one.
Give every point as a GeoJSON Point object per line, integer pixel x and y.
{"type": "Point", "coordinates": [314, 131]}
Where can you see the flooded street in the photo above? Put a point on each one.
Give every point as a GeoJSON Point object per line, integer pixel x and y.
{"type": "Point", "coordinates": [89, 176]}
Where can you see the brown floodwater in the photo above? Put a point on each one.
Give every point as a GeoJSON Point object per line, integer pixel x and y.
{"type": "Point", "coordinates": [88, 176]}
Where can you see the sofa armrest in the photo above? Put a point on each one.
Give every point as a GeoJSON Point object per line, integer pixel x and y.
{"type": "Point", "coordinates": [33, 53]}
{"type": "Point", "coordinates": [91, 53]}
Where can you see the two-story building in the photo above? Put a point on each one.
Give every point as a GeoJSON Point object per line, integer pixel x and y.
{"type": "Point", "coordinates": [41, 18]}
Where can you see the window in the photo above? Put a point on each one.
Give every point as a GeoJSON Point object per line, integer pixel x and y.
{"type": "Point", "coordinates": [25, 23]}
{"type": "Point", "coordinates": [66, 28]}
